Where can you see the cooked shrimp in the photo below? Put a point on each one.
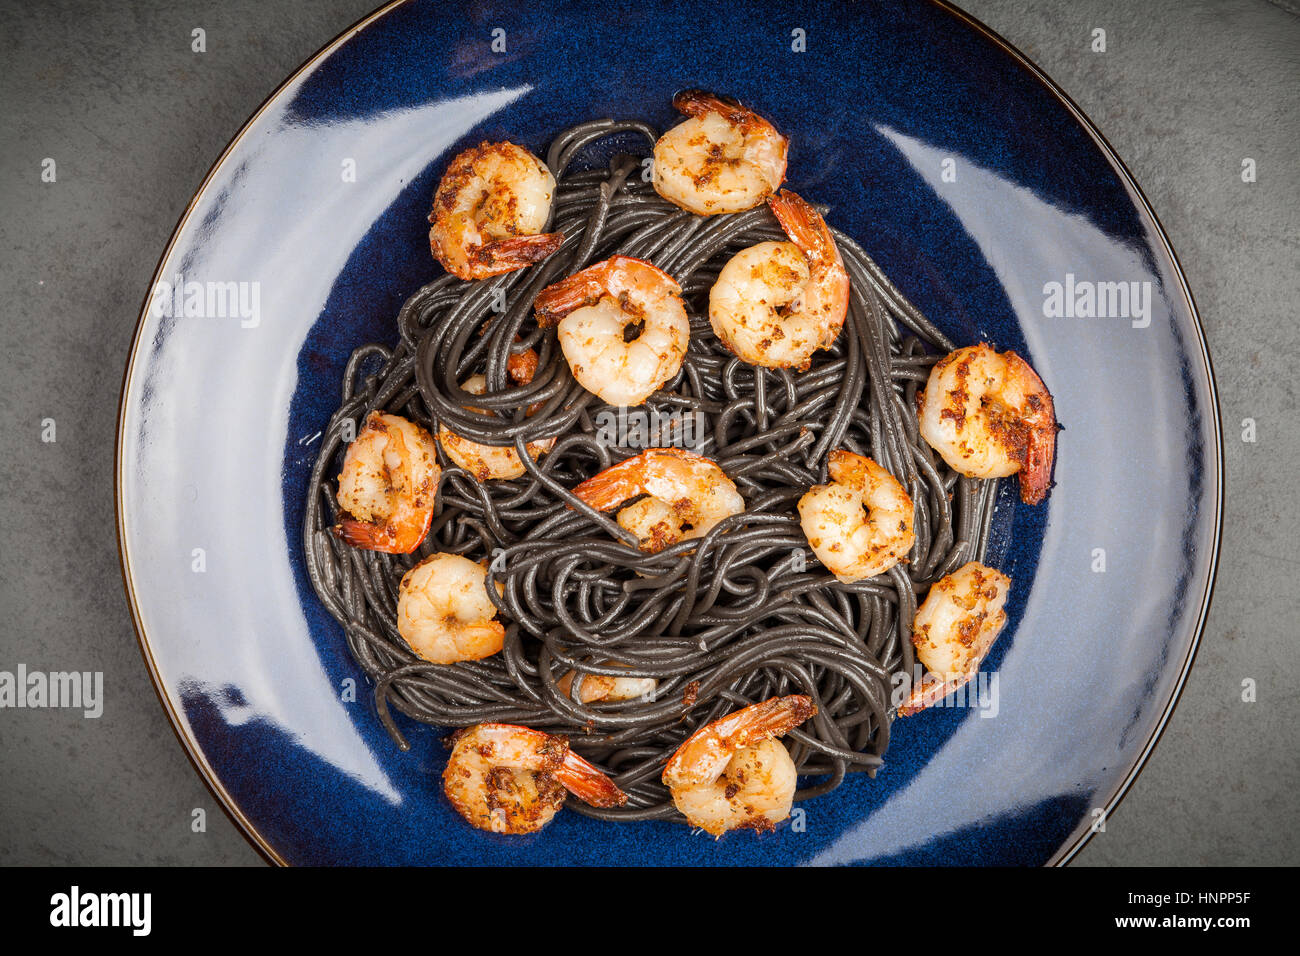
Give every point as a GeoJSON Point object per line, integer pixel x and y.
{"type": "Point", "coordinates": [776, 303]}
{"type": "Point", "coordinates": [955, 627]}
{"type": "Point", "coordinates": [488, 462]}
{"type": "Point", "coordinates": [444, 612]}
{"type": "Point", "coordinates": [989, 415]}
{"type": "Point", "coordinates": [622, 327]}
{"type": "Point", "coordinates": [687, 495]}
{"type": "Point", "coordinates": [388, 485]}
{"type": "Point", "coordinates": [860, 524]}
{"type": "Point", "coordinates": [510, 779]}
{"type": "Point", "coordinates": [732, 774]}
{"type": "Point", "coordinates": [724, 158]}
{"type": "Point", "coordinates": [607, 687]}
{"type": "Point", "coordinates": [489, 210]}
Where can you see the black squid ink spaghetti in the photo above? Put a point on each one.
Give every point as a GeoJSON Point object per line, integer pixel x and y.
{"type": "Point", "coordinates": [744, 613]}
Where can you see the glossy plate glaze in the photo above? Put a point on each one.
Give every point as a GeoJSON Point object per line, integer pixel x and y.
{"type": "Point", "coordinates": [970, 178]}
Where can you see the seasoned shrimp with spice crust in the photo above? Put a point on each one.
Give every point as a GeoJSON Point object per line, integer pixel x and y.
{"type": "Point", "coordinates": [509, 779]}
{"type": "Point", "coordinates": [686, 495]}
{"type": "Point", "coordinates": [723, 158]}
{"type": "Point", "coordinates": [954, 629]}
{"type": "Point", "coordinates": [489, 212]}
{"type": "Point", "coordinates": [859, 525]}
{"type": "Point", "coordinates": [444, 612]}
{"type": "Point", "coordinates": [776, 303]}
{"type": "Point", "coordinates": [733, 774]}
{"type": "Point", "coordinates": [622, 327]}
{"type": "Point", "coordinates": [388, 485]}
{"type": "Point", "coordinates": [989, 415]}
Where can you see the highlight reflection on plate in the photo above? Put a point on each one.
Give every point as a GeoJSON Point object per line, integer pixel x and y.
{"type": "Point", "coordinates": [285, 266]}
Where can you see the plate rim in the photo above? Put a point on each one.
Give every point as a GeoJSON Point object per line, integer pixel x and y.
{"type": "Point", "coordinates": [1082, 834]}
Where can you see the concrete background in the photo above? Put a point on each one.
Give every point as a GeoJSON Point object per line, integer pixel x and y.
{"type": "Point", "coordinates": [112, 91]}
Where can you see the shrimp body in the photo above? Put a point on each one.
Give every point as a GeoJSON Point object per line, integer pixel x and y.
{"type": "Point", "coordinates": [622, 327]}
{"type": "Point", "coordinates": [608, 688]}
{"type": "Point", "coordinates": [988, 415]}
{"type": "Point", "coordinates": [954, 629]}
{"type": "Point", "coordinates": [487, 462]}
{"type": "Point", "coordinates": [732, 774]}
{"type": "Point", "coordinates": [860, 524]}
{"type": "Point", "coordinates": [509, 779]}
{"type": "Point", "coordinates": [444, 612]}
{"type": "Point", "coordinates": [388, 485]}
{"type": "Point", "coordinates": [489, 212]}
{"type": "Point", "coordinates": [723, 158]}
{"type": "Point", "coordinates": [687, 495]}
{"type": "Point", "coordinates": [776, 303]}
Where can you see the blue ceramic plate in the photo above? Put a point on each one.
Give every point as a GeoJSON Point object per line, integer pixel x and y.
{"type": "Point", "coordinates": [960, 168]}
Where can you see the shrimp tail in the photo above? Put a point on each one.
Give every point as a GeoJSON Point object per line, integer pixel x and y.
{"type": "Point", "coordinates": [612, 486]}
{"type": "Point", "coordinates": [374, 537]}
{"type": "Point", "coordinates": [584, 288]}
{"type": "Point", "coordinates": [770, 718]}
{"type": "Point", "coordinates": [1040, 448]}
{"type": "Point", "coordinates": [707, 752]}
{"type": "Point", "coordinates": [588, 784]}
{"type": "Point", "coordinates": [625, 480]}
{"type": "Point", "coordinates": [700, 103]}
{"type": "Point", "coordinates": [1036, 476]}
{"type": "Point", "coordinates": [694, 103]}
{"type": "Point", "coordinates": [507, 255]}
{"type": "Point", "coordinates": [928, 693]}
{"type": "Point", "coordinates": [804, 225]}
{"type": "Point", "coordinates": [560, 298]}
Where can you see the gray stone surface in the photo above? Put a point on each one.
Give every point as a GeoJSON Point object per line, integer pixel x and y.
{"type": "Point", "coordinates": [133, 119]}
